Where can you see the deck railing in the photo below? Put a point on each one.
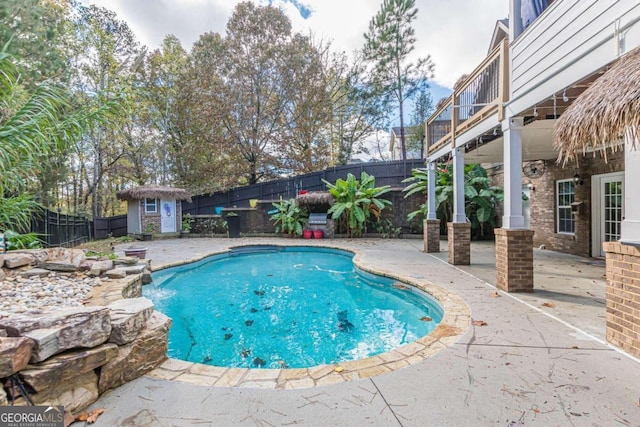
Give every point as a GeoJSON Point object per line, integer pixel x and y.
{"type": "Point", "coordinates": [479, 95]}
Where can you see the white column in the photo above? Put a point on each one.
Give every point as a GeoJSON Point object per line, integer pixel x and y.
{"type": "Point", "coordinates": [631, 224]}
{"type": "Point", "coordinates": [431, 191]}
{"type": "Point", "coordinates": [512, 132]}
{"type": "Point", "coordinates": [458, 185]}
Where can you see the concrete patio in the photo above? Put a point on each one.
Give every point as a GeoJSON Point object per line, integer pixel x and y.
{"type": "Point", "coordinates": [541, 360]}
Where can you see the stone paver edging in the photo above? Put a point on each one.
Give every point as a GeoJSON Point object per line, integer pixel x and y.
{"type": "Point", "coordinates": [454, 323]}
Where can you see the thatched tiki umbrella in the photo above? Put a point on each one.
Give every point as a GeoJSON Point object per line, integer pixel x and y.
{"type": "Point", "coordinates": [153, 208]}
{"type": "Point", "coordinates": [603, 114]}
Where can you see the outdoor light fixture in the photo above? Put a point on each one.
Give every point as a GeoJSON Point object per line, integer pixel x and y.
{"type": "Point", "coordinates": [535, 111]}
{"type": "Point", "coordinates": [565, 98]}
{"type": "Point", "coordinates": [577, 180]}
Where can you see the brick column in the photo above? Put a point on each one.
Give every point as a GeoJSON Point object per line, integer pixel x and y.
{"type": "Point", "coordinates": [514, 259]}
{"type": "Point", "coordinates": [431, 235]}
{"type": "Point", "coordinates": [623, 296]}
{"type": "Point", "coordinates": [459, 236]}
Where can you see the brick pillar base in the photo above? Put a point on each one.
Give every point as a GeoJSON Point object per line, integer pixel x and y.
{"type": "Point", "coordinates": [514, 260]}
{"type": "Point", "coordinates": [623, 288]}
{"type": "Point", "coordinates": [431, 235]}
{"type": "Point", "coordinates": [459, 236]}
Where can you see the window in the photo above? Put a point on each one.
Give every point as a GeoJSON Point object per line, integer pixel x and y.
{"type": "Point", "coordinates": [565, 196]}
{"type": "Point", "coordinates": [150, 206]}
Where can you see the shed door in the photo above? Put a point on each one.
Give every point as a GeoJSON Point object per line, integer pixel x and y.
{"type": "Point", "coordinates": [168, 216]}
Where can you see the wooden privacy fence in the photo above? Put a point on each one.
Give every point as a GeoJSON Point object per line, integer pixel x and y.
{"type": "Point", "coordinates": [386, 173]}
{"type": "Point", "coordinates": [114, 226]}
{"type": "Point", "coordinates": [57, 229]}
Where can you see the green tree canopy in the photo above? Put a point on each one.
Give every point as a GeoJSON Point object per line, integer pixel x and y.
{"type": "Point", "coordinates": [388, 45]}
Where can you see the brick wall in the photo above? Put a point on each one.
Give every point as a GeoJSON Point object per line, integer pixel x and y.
{"type": "Point", "coordinates": [543, 203]}
{"type": "Point", "coordinates": [623, 296]}
{"type": "Point", "coordinates": [514, 260]}
{"type": "Point", "coordinates": [156, 219]}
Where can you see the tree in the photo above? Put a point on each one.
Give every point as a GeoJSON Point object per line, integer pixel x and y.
{"type": "Point", "coordinates": [422, 108]}
{"type": "Point", "coordinates": [359, 110]}
{"type": "Point", "coordinates": [307, 109]}
{"type": "Point", "coordinates": [105, 67]}
{"type": "Point", "coordinates": [34, 124]}
{"type": "Point", "coordinates": [388, 43]}
{"type": "Point", "coordinates": [39, 36]}
{"type": "Point", "coordinates": [252, 69]}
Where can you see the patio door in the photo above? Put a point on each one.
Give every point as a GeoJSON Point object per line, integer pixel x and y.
{"type": "Point", "coordinates": [608, 200]}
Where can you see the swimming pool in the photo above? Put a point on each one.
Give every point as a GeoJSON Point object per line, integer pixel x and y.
{"type": "Point", "coordinates": [286, 307]}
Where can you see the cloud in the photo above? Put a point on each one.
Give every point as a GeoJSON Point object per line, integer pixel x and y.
{"type": "Point", "coordinates": [305, 10]}
{"type": "Point", "coordinates": [456, 33]}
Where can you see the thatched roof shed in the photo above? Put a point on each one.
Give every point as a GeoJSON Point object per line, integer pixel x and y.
{"type": "Point", "coordinates": [603, 113]}
{"type": "Point", "coordinates": [154, 192]}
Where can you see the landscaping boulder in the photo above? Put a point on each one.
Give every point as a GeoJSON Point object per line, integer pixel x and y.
{"type": "Point", "coordinates": [127, 260]}
{"type": "Point", "coordinates": [61, 259]}
{"type": "Point", "coordinates": [65, 366]}
{"type": "Point", "coordinates": [134, 269]}
{"type": "Point", "coordinates": [128, 317]}
{"type": "Point", "coordinates": [99, 267]}
{"type": "Point", "coordinates": [18, 259]}
{"type": "Point", "coordinates": [39, 272]}
{"type": "Point", "coordinates": [14, 355]}
{"type": "Point", "coordinates": [56, 331]}
{"type": "Point", "coordinates": [116, 273]}
{"type": "Point", "coordinates": [75, 394]}
{"type": "Point", "coordinates": [146, 278]}
{"type": "Point", "coordinates": [139, 357]}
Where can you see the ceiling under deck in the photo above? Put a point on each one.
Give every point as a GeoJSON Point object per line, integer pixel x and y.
{"type": "Point", "coordinates": [537, 144]}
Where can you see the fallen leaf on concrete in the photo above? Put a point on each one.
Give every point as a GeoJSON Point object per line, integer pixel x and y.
{"type": "Point", "coordinates": [93, 415]}
{"type": "Point", "coordinates": [575, 347]}
{"type": "Point", "coordinates": [549, 304]}
{"type": "Point", "coordinates": [426, 319]}
{"type": "Point", "coordinates": [478, 323]}
{"type": "Point", "coordinates": [82, 416]}
{"type": "Point", "coordinates": [495, 294]}
{"type": "Point", "coordinates": [338, 369]}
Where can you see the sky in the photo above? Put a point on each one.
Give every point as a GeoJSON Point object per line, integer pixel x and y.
{"type": "Point", "coordinates": [455, 33]}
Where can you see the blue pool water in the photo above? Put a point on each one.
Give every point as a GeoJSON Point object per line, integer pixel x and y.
{"type": "Point", "coordinates": [292, 307]}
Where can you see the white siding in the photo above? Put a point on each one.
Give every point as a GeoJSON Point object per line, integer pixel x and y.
{"type": "Point", "coordinates": [571, 40]}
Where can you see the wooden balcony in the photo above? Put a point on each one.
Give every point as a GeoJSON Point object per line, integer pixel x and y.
{"type": "Point", "coordinates": [481, 94]}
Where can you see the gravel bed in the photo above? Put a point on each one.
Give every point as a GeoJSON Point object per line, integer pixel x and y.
{"type": "Point", "coordinates": [36, 294]}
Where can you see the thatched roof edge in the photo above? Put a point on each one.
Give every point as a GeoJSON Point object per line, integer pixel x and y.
{"type": "Point", "coordinates": [603, 113]}
{"type": "Point", "coordinates": [315, 198]}
{"type": "Point", "coordinates": [154, 192]}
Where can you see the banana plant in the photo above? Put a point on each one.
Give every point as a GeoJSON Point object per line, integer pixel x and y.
{"type": "Point", "coordinates": [357, 201]}
{"type": "Point", "coordinates": [289, 218]}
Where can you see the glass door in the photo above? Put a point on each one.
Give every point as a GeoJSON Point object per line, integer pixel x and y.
{"type": "Point", "coordinates": [611, 198]}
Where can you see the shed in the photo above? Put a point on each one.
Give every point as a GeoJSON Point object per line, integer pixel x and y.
{"type": "Point", "coordinates": [154, 208]}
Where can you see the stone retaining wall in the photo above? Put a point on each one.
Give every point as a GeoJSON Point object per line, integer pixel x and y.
{"type": "Point", "coordinates": [69, 356]}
